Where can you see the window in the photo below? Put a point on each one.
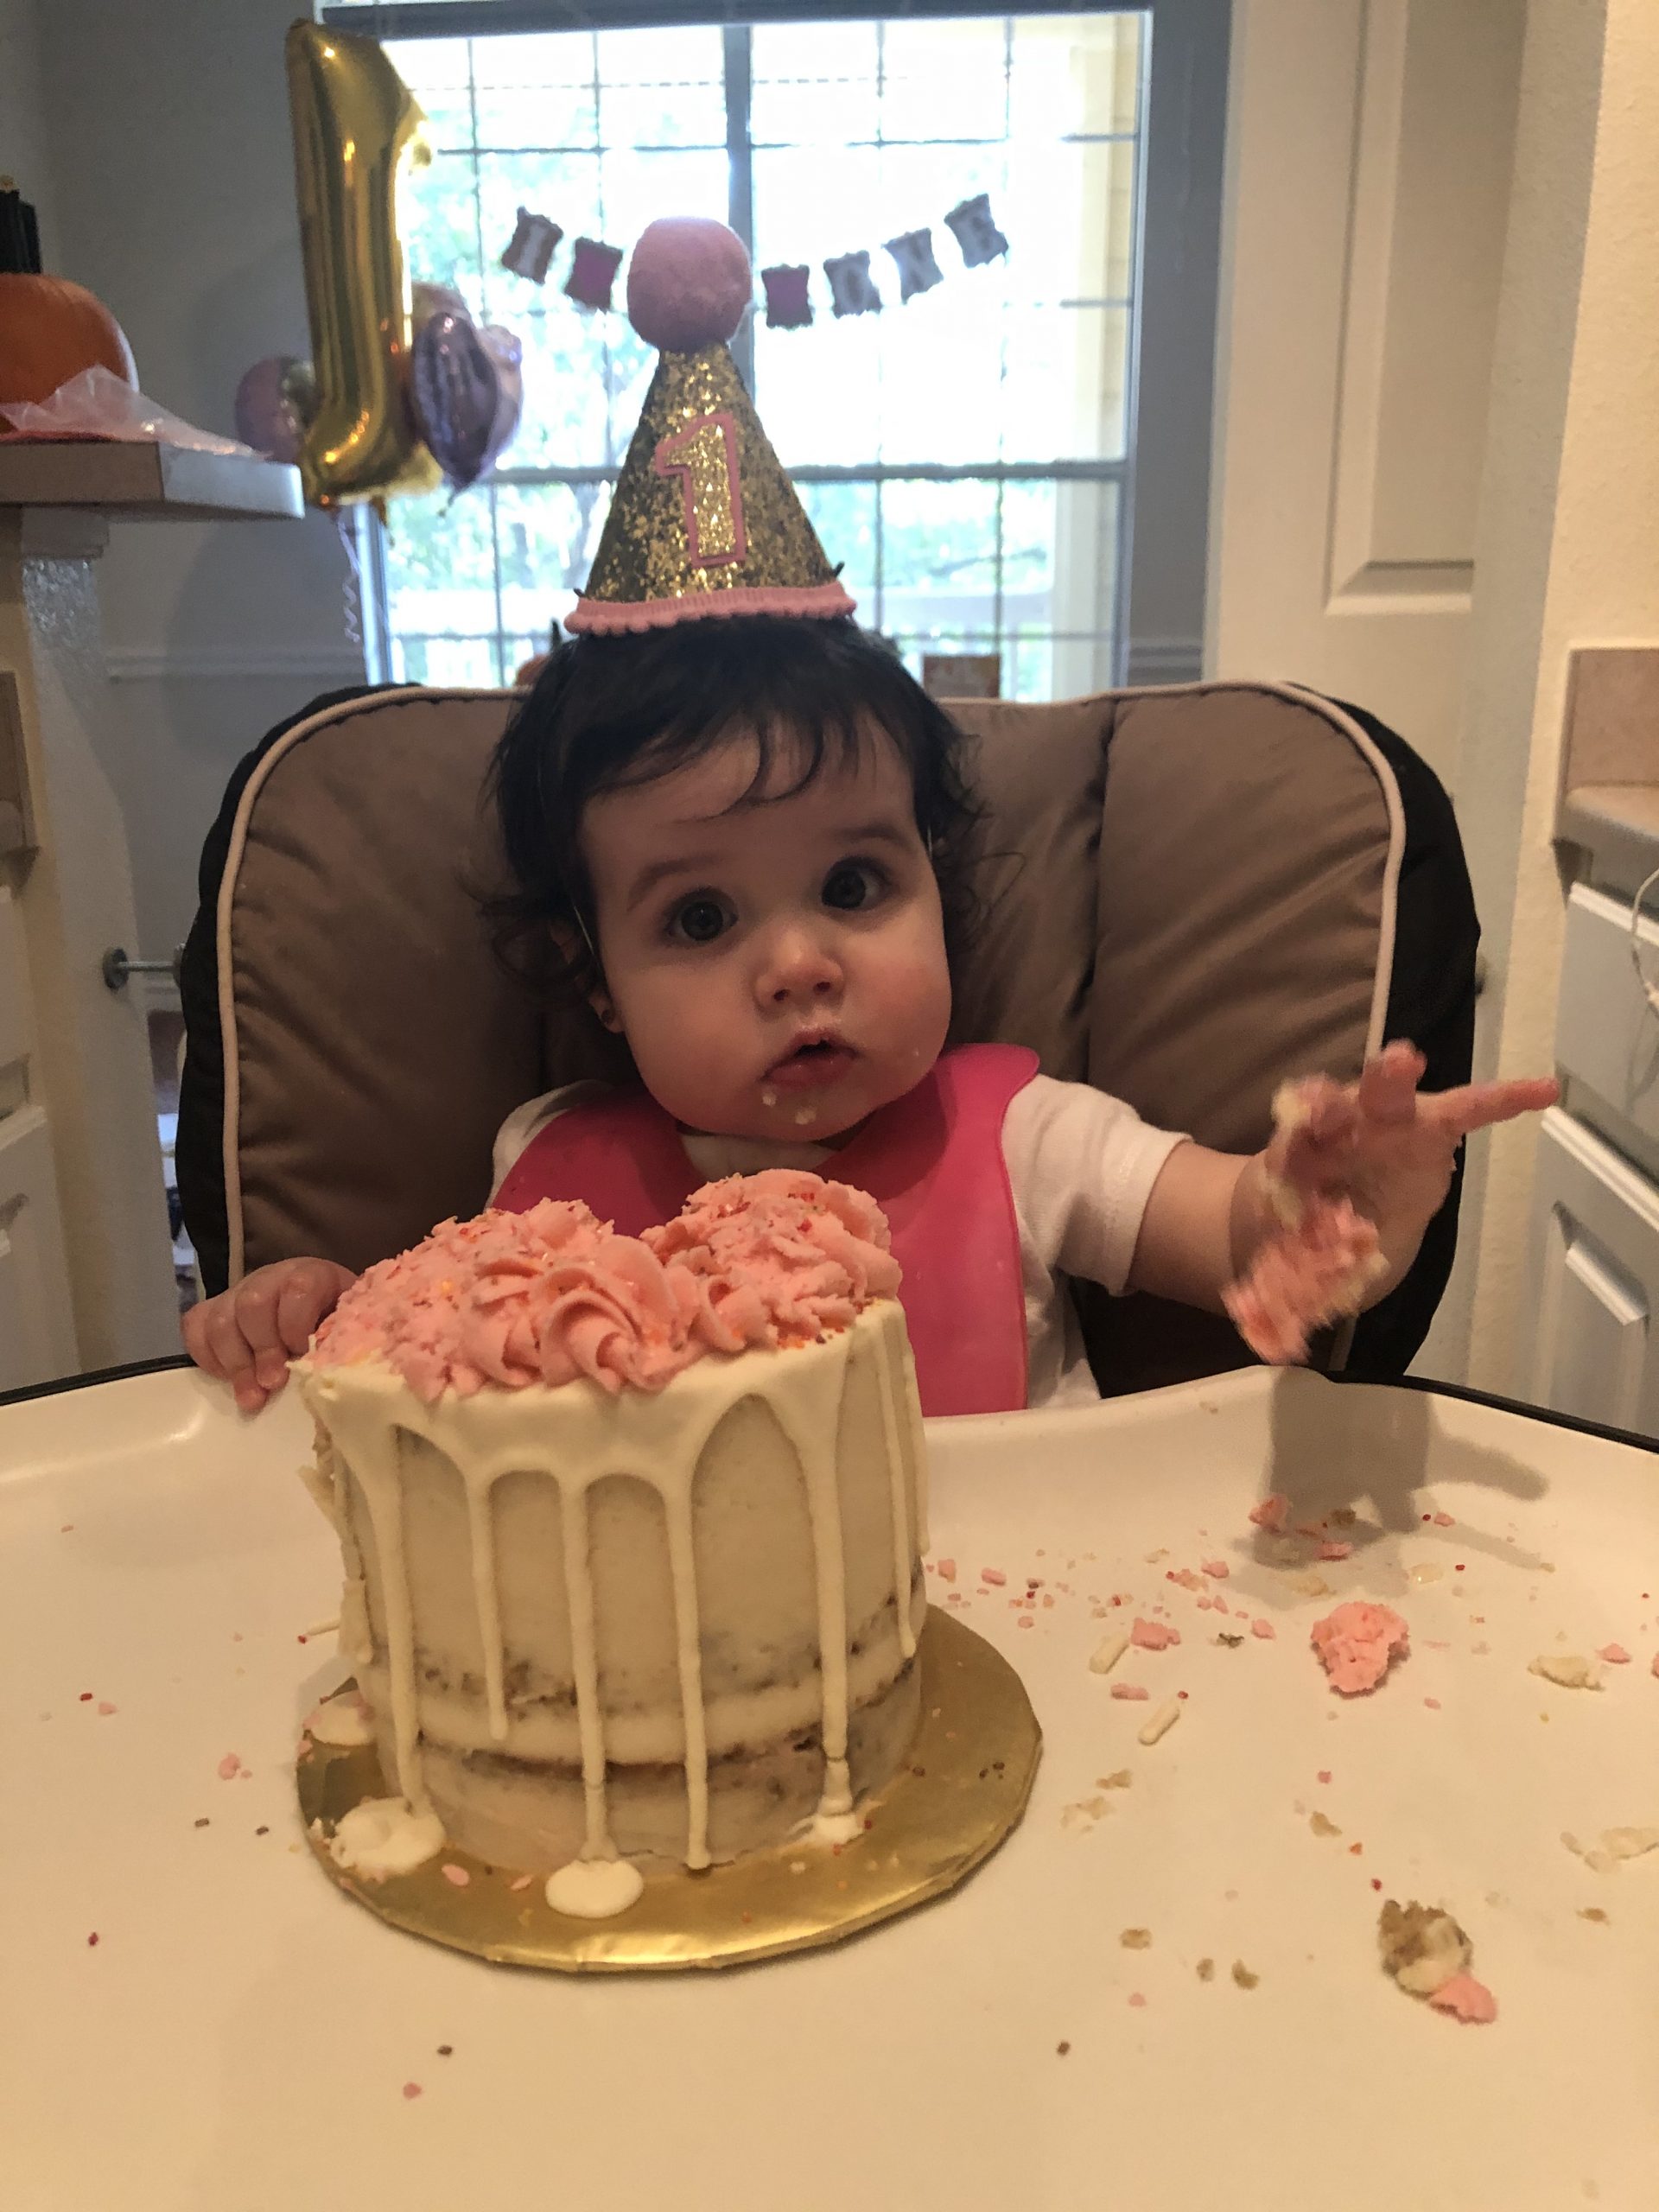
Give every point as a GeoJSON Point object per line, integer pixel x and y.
{"type": "Point", "coordinates": [964, 455]}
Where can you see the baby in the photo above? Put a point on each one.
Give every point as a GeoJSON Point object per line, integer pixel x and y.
{"type": "Point", "coordinates": [748, 844]}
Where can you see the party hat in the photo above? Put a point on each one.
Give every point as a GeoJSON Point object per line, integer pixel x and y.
{"type": "Point", "coordinates": [704, 521]}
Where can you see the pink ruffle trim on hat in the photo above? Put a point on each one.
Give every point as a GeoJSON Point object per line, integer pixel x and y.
{"type": "Point", "coordinates": [609, 615]}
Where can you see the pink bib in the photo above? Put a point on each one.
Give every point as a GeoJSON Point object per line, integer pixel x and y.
{"type": "Point", "coordinates": [933, 1162]}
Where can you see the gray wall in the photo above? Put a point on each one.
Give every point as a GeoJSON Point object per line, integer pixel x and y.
{"type": "Point", "coordinates": [1184, 149]}
{"type": "Point", "coordinates": [171, 195]}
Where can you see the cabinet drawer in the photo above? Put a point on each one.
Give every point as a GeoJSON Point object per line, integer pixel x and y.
{"type": "Point", "coordinates": [1592, 1281]}
{"type": "Point", "coordinates": [1606, 1034]}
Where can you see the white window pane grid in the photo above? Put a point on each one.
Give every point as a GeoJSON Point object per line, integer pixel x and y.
{"type": "Point", "coordinates": [1016, 378]}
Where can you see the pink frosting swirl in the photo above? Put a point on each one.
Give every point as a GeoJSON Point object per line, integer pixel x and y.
{"type": "Point", "coordinates": [783, 1256]}
{"type": "Point", "coordinates": [552, 1294]}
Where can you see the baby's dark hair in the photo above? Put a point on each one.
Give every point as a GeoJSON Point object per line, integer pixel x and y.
{"type": "Point", "coordinates": [610, 712]}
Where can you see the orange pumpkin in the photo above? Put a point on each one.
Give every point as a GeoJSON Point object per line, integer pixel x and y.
{"type": "Point", "coordinates": [50, 330]}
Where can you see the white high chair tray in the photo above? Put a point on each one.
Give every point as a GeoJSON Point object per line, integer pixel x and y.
{"type": "Point", "coordinates": [241, 2036]}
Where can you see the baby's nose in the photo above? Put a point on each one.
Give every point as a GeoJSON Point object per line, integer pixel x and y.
{"type": "Point", "coordinates": [800, 964]}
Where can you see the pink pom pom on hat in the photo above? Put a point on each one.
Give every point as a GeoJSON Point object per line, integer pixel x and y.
{"type": "Point", "coordinates": [690, 284]}
{"type": "Point", "coordinates": [704, 521]}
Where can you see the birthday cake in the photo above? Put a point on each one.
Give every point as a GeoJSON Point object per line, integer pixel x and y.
{"type": "Point", "coordinates": [631, 1528]}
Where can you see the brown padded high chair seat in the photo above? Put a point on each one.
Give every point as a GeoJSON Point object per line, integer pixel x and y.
{"type": "Point", "coordinates": [1193, 892]}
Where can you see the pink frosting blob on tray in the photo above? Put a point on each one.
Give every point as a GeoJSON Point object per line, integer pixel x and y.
{"type": "Point", "coordinates": [552, 1294]}
{"type": "Point", "coordinates": [1357, 1644]}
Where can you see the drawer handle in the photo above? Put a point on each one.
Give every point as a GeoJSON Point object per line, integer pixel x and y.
{"type": "Point", "coordinates": [1649, 990]}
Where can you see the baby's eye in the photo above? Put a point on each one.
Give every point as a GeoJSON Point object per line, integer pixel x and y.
{"type": "Point", "coordinates": [853, 884]}
{"type": "Point", "coordinates": [700, 919]}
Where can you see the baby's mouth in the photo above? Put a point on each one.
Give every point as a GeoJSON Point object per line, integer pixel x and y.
{"type": "Point", "coordinates": [810, 1064]}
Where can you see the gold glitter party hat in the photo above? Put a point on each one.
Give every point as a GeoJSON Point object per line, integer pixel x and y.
{"type": "Point", "coordinates": [704, 521]}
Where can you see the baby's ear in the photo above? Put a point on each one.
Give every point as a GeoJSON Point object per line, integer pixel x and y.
{"type": "Point", "coordinates": [578, 955]}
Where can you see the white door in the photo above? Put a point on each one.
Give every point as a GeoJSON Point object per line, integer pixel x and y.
{"type": "Point", "coordinates": [81, 1191]}
{"type": "Point", "coordinates": [1594, 1280]}
{"type": "Point", "coordinates": [1370, 147]}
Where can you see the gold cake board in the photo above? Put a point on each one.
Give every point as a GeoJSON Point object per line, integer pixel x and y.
{"type": "Point", "coordinates": [961, 1791]}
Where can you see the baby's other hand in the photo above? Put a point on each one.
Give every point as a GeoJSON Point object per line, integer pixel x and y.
{"type": "Point", "coordinates": [1389, 1146]}
{"type": "Point", "coordinates": [247, 1334]}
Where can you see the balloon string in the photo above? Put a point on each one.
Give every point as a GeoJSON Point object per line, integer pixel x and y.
{"type": "Point", "coordinates": [352, 596]}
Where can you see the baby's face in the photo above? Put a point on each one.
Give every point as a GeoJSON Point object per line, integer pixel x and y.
{"type": "Point", "coordinates": [779, 970]}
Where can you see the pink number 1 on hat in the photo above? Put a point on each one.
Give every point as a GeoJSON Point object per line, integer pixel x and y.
{"type": "Point", "coordinates": [704, 455]}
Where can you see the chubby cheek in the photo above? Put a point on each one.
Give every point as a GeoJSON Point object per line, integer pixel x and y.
{"type": "Point", "coordinates": [684, 1040]}
{"type": "Point", "coordinates": [907, 997]}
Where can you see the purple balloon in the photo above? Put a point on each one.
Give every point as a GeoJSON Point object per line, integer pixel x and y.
{"type": "Point", "coordinates": [266, 418]}
{"type": "Point", "coordinates": [508, 356]}
{"type": "Point", "coordinates": [467, 391]}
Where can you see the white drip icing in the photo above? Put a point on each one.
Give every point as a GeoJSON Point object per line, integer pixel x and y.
{"type": "Point", "coordinates": [827, 1827]}
{"type": "Point", "coordinates": [487, 1596]}
{"type": "Point", "coordinates": [900, 1502]}
{"type": "Point", "coordinates": [382, 1836]}
{"type": "Point", "coordinates": [382, 1493]}
{"type": "Point", "coordinates": [688, 1634]}
{"type": "Point", "coordinates": [590, 1721]}
{"type": "Point", "coordinates": [819, 1465]}
{"type": "Point", "coordinates": [659, 1440]}
{"type": "Point", "coordinates": [594, 1889]}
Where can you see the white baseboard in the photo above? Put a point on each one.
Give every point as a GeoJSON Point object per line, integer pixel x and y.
{"type": "Point", "coordinates": [1163, 660]}
{"type": "Point", "coordinates": [332, 664]}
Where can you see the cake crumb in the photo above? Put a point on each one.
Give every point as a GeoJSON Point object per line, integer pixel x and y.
{"type": "Point", "coordinates": [1120, 1780]}
{"type": "Point", "coordinates": [947, 1570]}
{"type": "Point", "coordinates": [229, 1767]}
{"type": "Point", "coordinates": [1107, 1653]}
{"type": "Point", "coordinates": [1320, 1825]}
{"type": "Point", "coordinates": [445, 2049]}
{"type": "Point", "coordinates": [1216, 1568]}
{"type": "Point", "coordinates": [1136, 1999]}
{"type": "Point", "coordinates": [1593, 1912]}
{"type": "Point", "coordinates": [1242, 1975]}
{"type": "Point", "coordinates": [412, 2090]}
{"type": "Point", "coordinates": [1614, 1654]}
{"type": "Point", "coordinates": [1232, 1643]}
{"type": "Point", "coordinates": [458, 1875]}
{"type": "Point", "coordinates": [1061, 2049]}
{"type": "Point", "coordinates": [1207, 1969]}
{"type": "Point", "coordinates": [1160, 1723]}
{"type": "Point", "coordinates": [1568, 1670]}
{"type": "Point", "coordinates": [1264, 1628]}
{"type": "Point", "coordinates": [1136, 1939]}
{"type": "Point", "coordinates": [994, 1575]}
{"type": "Point", "coordinates": [1271, 1513]}
{"type": "Point", "coordinates": [1421, 1946]}
{"type": "Point", "coordinates": [1130, 1690]}
{"type": "Point", "coordinates": [1152, 1636]}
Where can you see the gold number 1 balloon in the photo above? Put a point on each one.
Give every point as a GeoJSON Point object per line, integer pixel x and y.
{"type": "Point", "coordinates": [357, 134]}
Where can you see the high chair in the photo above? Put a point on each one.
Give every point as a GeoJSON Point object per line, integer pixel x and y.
{"type": "Point", "coordinates": [1193, 892]}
